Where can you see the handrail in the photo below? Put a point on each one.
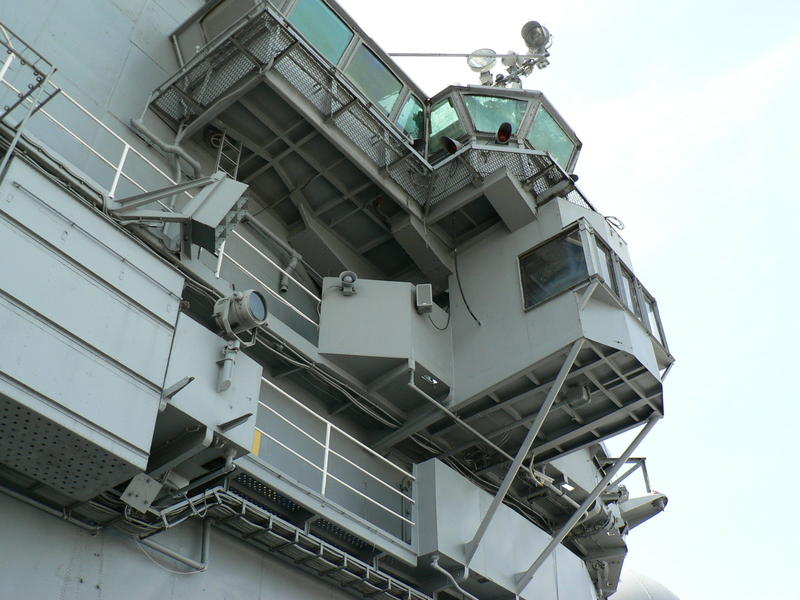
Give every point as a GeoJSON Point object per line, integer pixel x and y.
{"type": "Point", "coordinates": [274, 264]}
{"type": "Point", "coordinates": [328, 475]}
{"type": "Point", "coordinates": [338, 429]}
{"type": "Point", "coordinates": [272, 292]}
{"type": "Point", "coordinates": [288, 422]}
{"type": "Point", "coordinates": [127, 148]}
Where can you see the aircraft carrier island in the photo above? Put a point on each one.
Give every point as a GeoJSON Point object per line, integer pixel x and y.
{"type": "Point", "coordinates": [276, 324]}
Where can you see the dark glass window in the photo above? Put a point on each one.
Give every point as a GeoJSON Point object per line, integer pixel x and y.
{"type": "Point", "coordinates": [547, 135]}
{"type": "Point", "coordinates": [444, 122]}
{"type": "Point", "coordinates": [374, 78]}
{"type": "Point", "coordinates": [411, 118]}
{"type": "Point", "coordinates": [322, 27]}
{"type": "Point", "coordinates": [489, 112]}
{"type": "Point", "coordinates": [552, 268]}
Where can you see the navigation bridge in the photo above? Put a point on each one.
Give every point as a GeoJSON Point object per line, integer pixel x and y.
{"type": "Point", "coordinates": [380, 335]}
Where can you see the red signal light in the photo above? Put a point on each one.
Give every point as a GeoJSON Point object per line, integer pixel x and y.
{"type": "Point", "coordinates": [503, 133]}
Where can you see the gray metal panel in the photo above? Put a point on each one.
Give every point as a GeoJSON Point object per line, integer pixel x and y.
{"type": "Point", "coordinates": [449, 514]}
{"type": "Point", "coordinates": [195, 353]}
{"type": "Point", "coordinates": [514, 205]}
{"type": "Point", "coordinates": [380, 321]}
{"type": "Point", "coordinates": [41, 557]}
{"type": "Point", "coordinates": [87, 316]}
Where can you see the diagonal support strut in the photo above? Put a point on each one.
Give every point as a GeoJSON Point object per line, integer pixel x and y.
{"type": "Point", "coordinates": [525, 578]}
{"type": "Point", "coordinates": [472, 547]}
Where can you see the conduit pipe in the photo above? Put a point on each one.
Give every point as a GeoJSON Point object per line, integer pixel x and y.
{"type": "Point", "coordinates": [174, 149]}
{"type": "Point", "coordinates": [61, 514]}
{"type": "Point", "coordinates": [294, 255]}
{"type": "Point", "coordinates": [200, 566]}
{"type": "Point", "coordinates": [437, 567]}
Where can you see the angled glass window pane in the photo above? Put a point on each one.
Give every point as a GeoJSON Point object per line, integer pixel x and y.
{"type": "Point", "coordinates": [322, 27]}
{"type": "Point", "coordinates": [652, 318]}
{"type": "Point", "coordinates": [552, 268]}
{"type": "Point", "coordinates": [605, 265]}
{"type": "Point", "coordinates": [489, 112]}
{"type": "Point", "coordinates": [547, 135]}
{"type": "Point", "coordinates": [374, 78]}
{"type": "Point", "coordinates": [629, 292]}
{"type": "Point", "coordinates": [411, 118]}
{"type": "Point", "coordinates": [444, 122]}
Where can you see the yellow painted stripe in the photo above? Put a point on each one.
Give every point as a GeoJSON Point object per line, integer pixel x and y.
{"type": "Point", "coordinates": [256, 442]}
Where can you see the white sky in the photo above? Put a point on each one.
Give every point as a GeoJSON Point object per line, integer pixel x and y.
{"type": "Point", "coordinates": [688, 111]}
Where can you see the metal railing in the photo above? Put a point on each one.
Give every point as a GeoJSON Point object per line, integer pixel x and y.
{"type": "Point", "coordinates": [116, 171]}
{"type": "Point", "coordinates": [59, 100]}
{"type": "Point", "coordinates": [223, 257]}
{"type": "Point", "coordinates": [384, 501]}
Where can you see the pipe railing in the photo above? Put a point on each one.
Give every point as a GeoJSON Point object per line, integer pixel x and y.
{"type": "Point", "coordinates": [129, 159]}
{"type": "Point", "coordinates": [328, 450]}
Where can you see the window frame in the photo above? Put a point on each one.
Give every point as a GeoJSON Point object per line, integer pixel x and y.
{"type": "Point", "coordinates": [578, 228]}
{"type": "Point", "coordinates": [354, 40]}
{"type": "Point", "coordinates": [556, 118]}
{"type": "Point", "coordinates": [639, 293]}
{"type": "Point", "coordinates": [345, 62]}
{"type": "Point", "coordinates": [472, 121]}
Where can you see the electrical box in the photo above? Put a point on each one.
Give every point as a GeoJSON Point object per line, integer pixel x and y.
{"type": "Point", "coordinates": [424, 297]}
{"type": "Point", "coordinates": [378, 335]}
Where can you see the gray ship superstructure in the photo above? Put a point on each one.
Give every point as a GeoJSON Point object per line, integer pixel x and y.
{"type": "Point", "coordinates": [278, 325]}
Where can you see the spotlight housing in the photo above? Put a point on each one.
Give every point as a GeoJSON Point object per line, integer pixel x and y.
{"type": "Point", "coordinates": [452, 146]}
{"type": "Point", "coordinates": [536, 36]}
{"type": "Point", "coordinates": [241, 312]}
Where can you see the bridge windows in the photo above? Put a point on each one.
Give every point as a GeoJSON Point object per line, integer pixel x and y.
{"type": "Point", "coordinates": [322, 28]}
{"type": "Point", "coordinates": [606, 265]}
{"type": "Point", "coordinates": [412, 118]}
{"type": "Point", "coordinates": [548, 136]}
{"type": "Point", "coordinates": [444, 122]}
{"type": "Point", "coordinates": [374, 78]}
{"type": "Point", "coordinates": [489, 112]}
{"type": "Point", "coordinates": [629, 296]}
{"type": "Point", "coordinates": [552, 268]}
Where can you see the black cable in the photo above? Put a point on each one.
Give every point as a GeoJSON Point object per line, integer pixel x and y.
{"type": "Point", "coordinates": [461, 289]}
{"type": "Point", "coordinates": [430, 318]}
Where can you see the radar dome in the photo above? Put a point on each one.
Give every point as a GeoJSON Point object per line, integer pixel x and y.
{"type": "Point", "coordinates": [635, 586]}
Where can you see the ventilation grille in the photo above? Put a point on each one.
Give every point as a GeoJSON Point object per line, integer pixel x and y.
{"type": "Point", "coordinates": [53, 455]}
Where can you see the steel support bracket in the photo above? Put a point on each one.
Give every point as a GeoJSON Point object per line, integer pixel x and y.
{"type": "Point", "coordinates": [472, 547]}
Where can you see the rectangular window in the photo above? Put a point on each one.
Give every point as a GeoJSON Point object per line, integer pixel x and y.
{"type": "Point", "coordinates": [412, 118]}
{"type": "Point", "coordinates": [606, 265]}
{"type": "Point", "coordinates": [652, 316]}
{"type": "Point", "coordinates": [552, 268]}
{"type": "Point", "coordinates": [547, 135]}
{"type": "Point", "coordinates": [629, 292]}
{"type": "Point", "coordinates": [374, 78]}
{"type": "Point", "coordinates": [444, 122]}
{"type": "Point", "coordinates": [322, 28]}
{"type": "Point", "coordinates": [489, 112]}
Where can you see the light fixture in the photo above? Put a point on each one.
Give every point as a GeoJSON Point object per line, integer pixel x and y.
{"type": "Point", "coordinates": [429, 379]}
{"type": "Point", "coordinates": [241, 312]}
{"type": "Point", "coordinates": [452, 146]}
{"type": "Point", "coordinates": [482, 60]}
{"type": "Point", "coordinates": [503, 133]}
{"type": "Point", "coordinates": [348, 279]}
{"type": "Point", "coordinates": [536, 37]}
